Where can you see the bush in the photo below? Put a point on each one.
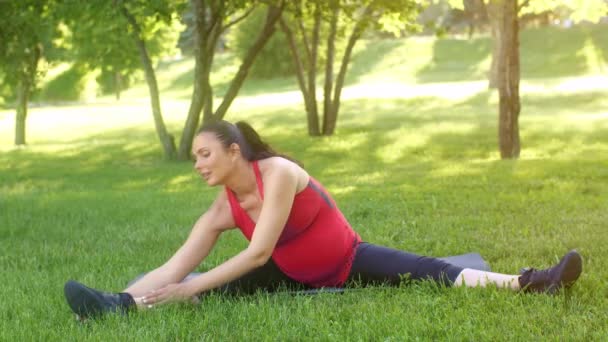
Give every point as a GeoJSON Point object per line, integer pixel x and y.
{"type": "Point", "coordinates": [108, 81]}
{"type": "Point", "coordinates": [7, 94]}
{"type": "Point", "coordinates": [74, 84]}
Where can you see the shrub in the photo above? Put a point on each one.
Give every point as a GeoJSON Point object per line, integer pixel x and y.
{"type": "Point", "coordinates": [74, 84]}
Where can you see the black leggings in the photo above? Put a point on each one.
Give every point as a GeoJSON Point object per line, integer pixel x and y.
{"type": "Point", "coordinates": [372, 265]}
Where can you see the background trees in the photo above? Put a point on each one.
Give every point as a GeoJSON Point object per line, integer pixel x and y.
{"type": "Point", "coordinates": [27, 30]}
{"type": "Point", "coordinates": [120, 37]}
{"type": "Point", "coordinates": [211, 20]}
{"type": "Point", "coordinates": [303, 26]}
{"type": "Point", "coordinates": [115, 39]}
{"type": "Point", "coordinates": [505, 68]}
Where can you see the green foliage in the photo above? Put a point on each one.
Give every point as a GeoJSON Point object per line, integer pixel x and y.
{"type": "Point", "coordinates": [395, 16]}
{"type": "Point", "coordinates": [101, 37]}
{"type": "Point", "coordinates": [577, 10]}
{"type": "Point", "coordinates": [110, 81]}
{"type": "Point", "coordinates": [274, 60]}
{"type": "Point", "coordinates": [7, 92]}
{"type": "Point", "coordinates": [28, 30]}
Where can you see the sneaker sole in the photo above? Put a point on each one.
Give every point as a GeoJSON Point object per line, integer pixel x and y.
{"type": "Point", "coordinates": [82, 300]}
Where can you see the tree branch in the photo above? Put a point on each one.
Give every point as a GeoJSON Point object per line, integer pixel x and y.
{"type": "Point", "coordinates": [523, 4]}
{"type": "Point", "coordinates": [304, 38]}
{"type": "Point", "coordinates": [238, 19]}
{"type": "Point", "coordinates": [296, 58]}
{"type": "Point", "coordinates": [273, 15]}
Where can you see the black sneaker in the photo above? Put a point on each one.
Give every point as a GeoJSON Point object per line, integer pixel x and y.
{"type": "Point", "coordinates": [550, 280]}
{"type": "Point", "coordinates": [89, 303]}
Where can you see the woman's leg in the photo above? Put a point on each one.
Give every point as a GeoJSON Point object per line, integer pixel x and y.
{"type": "Point", "coordinates": [549, 280]}
{"type": "Point", "coordinates": [376, 265]}
{"type": "Point", "coordinates": [267, 278]}
{"type": "Point", "coordinates": [475, 278]}
{"type": "Point", "coordinates": [88, 302]}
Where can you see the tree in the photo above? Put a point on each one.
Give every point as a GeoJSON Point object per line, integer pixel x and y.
{"type": "Point", "coordinates": [212, 18]}
{"type": "Point", "coordinates": [122, 36]}
{"type": "Point", "coordinates": [508, 81]}
{"type": "Point", "coordinates": [161, 11]}
{"type": "Point", "coordinates": [27, 30]}
{"type": "Point", "coordinates": [337, 16]}
{"type": "Point", "coordinates": [97, 41]}
{"type": "Point", "coordinates": [576, 10]}
{"type": "Point", "coordinates": [508, 61]}
{"type": "Point", "coordinates": [504, 15]}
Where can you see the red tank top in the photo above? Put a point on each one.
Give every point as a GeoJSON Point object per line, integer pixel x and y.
{"type": "Point", "coordinates": [317, 244]}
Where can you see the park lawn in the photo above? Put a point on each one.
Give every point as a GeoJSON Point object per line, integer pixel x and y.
{"type": "Point", "coordinates": [91, 199]}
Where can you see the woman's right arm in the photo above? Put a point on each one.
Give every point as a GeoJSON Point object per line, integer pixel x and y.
{"type": "Point", "coordinates": [203, 236]}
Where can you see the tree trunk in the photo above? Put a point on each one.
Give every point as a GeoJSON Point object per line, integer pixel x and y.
{"type": "Point", "coordinates": [273, 15]}
{"type": "Point", "coordinates": [495, 16]}
{"type": "Point", "coordinates": [167, 140]}
{"type": "Point", "coordinates": [313, 116]}
{"type": "Point", "coordinates": [329, 67]}
{"type": "Point", "coordinates": [27, 77]}
{"type": "Point", "coordinates": [307, 82]}
{"type": "Point", "coordinates": [208, 29]}
{"type": "Point", "coordinates": [300, 71]}
{"type": "Point", "coordinates": [23, 90]}
{"type": "Point", "coordinates": [332, 118]}
{"type": "Point", "coordinates": [508, 83]}
{"type": "Point", "coordinates": [210, 44]}
{"type": "Point", "coordinates": [203, 59]}
{"type": "Point", "coordinates": [117, 84]}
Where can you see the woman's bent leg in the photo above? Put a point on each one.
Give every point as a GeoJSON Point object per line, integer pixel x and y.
{"type": "Point", "coordinates": [376, 265]}
{"type": "Point", "coordinates": [267, 278]}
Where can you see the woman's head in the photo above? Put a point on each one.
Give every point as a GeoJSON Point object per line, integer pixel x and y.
{"type": "Point", "coordinates": [243, 135]}
{"type": "Point", "coordinates": [218, 145]}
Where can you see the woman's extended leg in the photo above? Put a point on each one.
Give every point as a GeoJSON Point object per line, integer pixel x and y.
{"type": "Point", "coordinates": [475, 278]}
{"type": "Point", "coordinates": [89, 302]}
{"type": "Point", "coordinates": [376, 264]}
{"type": "Point", "coordinates": [267, 278]}
{"type": "Point", "coordinates": [549, 280]}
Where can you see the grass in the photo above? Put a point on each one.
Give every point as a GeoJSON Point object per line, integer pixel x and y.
{"type": "Point", "coordinates": [90, 199]}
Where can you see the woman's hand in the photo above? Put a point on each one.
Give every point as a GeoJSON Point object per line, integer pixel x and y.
{"type": "Point", "coordinates": [171, 293]}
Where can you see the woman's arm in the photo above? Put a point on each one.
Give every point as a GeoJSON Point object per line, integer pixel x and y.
{"type": "Point", "coordinates": [201, 240]}
{"type": "Point", "coordinates": [280, 185]}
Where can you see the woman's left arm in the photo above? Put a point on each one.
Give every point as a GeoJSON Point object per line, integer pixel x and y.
{"type": "Point", "coordinates": [280, 184]}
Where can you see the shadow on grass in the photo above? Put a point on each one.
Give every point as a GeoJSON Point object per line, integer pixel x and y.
{"type": "Point", "coordinates": [567, 58]}
{"type": "Point", "coordinates": [444, 131]}
{"type": "Point", "coordinates": [224, 70]}
{"type": "Point", "coordinates": [456, 60]}
{"type": "Point", "coordinates": [364, 61]}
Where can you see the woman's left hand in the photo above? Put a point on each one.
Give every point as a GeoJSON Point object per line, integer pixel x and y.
{"type": "Point", "coordinates": [171, 293]}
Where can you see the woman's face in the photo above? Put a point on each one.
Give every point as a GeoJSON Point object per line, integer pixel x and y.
{"type": "Point", "coordinates": [212, 160]}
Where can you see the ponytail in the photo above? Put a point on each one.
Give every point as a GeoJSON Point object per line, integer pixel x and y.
{"type": "Point", "coordinates": [251, 144]}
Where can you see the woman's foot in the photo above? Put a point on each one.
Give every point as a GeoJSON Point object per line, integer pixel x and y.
{"type": "Point", "coordinates": [550, 280]}
{"type": "Point", "coordinates": [88, 303]}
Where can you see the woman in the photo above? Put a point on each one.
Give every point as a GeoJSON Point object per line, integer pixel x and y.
{"type": "Point", "coordinates": [297, 234]}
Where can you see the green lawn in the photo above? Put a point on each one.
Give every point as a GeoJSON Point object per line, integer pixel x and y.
{"type": "Point", "coordinates": [90, 199]}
